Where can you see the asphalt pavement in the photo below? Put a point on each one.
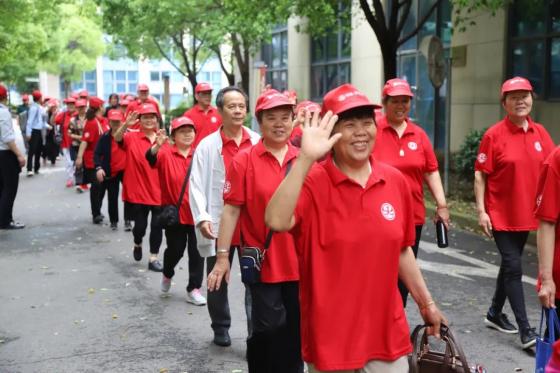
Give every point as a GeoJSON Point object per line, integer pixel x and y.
{"type": "Point", "coordinates": [73, 299]}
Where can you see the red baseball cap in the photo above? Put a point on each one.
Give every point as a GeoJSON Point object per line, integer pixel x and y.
{"type": "Point", "coordinates": [75, 96]}
{"type": "Point", "coordinates": [95, 102]}
{"type": "Point", "coordinates": [203, 87]}
{"type": "Point", "coordinates": [83, 93]}
{"type": "Point", "coordinates": [181, 122]}
{"type": "Point", "coordinates": [124, 102]}
{"type": "Point", "coordinates": [308, 106]}
{"type": "Point", "coordinates": [3, 91]}
{"type": "Point", "coordinates": [115, 114]}
{"type": "Point", "coordinates": [397, 87]}
{"type": "Point", "coordinates": [516, 84]}
{"type": "Point", "coordinates": [81, 103]}
{"type": "Point", "coordinates": [345, 97]}
{"type": "Point", "coordinates": [69, 100]}
{"type": "Point", "coordinates": [147, 109]}
{"type": "Point", "coordinates": [270, 99]}
{"type": "Point", "coordinates": [130, 98]}
{"type": "Point", "coordinates": [36, 95]}
{"type": "Point", "coordinates": [143, 87]}
{"type": "Point", "coordinates": [25, 98]}
{"type": "Point", "coordinates": [53, 102]}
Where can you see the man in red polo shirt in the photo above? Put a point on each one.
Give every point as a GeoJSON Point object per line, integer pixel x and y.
{"type": "Point", "coordinates": [62, 120]}
{"type": "Point", "coordinates": [134, 105]}
{"type": "Point", "coordinates": [205, 117]}
{"type": "Point", "coordinates": [352, 221]}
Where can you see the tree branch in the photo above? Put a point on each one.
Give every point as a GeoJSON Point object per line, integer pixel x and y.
{"type": "Point", "coordinates": [404, 16]}
{"type": "Point", "coordinates": [168, 58]}
{"type": "Point", "coordinates": [184, 53]}
{"type": "Point", "coordinates": [420, 24]}
{"type": "Point", "coordinates": [372, 20]}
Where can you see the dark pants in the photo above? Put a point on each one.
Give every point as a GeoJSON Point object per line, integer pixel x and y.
{"type": "Point", "coordinates": [141, 213]}
{"type": "Point", "coordinates": [177, 240]}
{"type": "Point", "coordinates": [508, 284]}
{"type": "Point", "coordinates": [218, 304]}
{"type": "Point", "coordinates": [402, 288]}
{"type": "Point", "coordinates": [34, 151]}
{"type": "Point", "coordinates": [9, 181]}
{"type": "Point", "coordinates": [112, 186]}
{"type": "Point", "coordinates": [96, 193]}
{"type": "Point", "coordinates": [51, 148]}
{"type": "Point", "coordinates": [275, 344]}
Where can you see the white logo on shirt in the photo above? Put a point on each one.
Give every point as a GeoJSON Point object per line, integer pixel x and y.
{"type": "Point", "coordinates": [482, 158]}
{"type": "Point", "coordinates": [213, 120]}
{"type": "Point", "coordinates": [388, 211]}
{"type": "Point", "coordinates": [538, 146]}
{"type": "Point", "coordinates": [86, 135]}
{"type": "Point", "coordinates": [412, 145]}
{"type": "Point", "coordinates": [539, 199]}
{"type": "Point", "coordinates": [227, 187]}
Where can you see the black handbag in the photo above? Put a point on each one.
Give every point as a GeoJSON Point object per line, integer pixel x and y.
{"type": "Point", "coordinates": [426, 360]}
{"type": "Point", "coordinates": [168, 217]}
{"type": "Point", "coordinates": [252, 257]}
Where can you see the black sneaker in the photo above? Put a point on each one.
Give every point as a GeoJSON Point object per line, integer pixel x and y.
{"type": "Point", "coordinates": [114, 226]}
{"type": "Point", "coordinates": [222, 339]}
{"type": "Point", "coordinates": [500, 322]}
{"type": "Point", "coordinates": [528, 337]}
{"type": "Point", "coordinates": [155, 266]}
{"type": "Point", "coordinates": [127, 226]}
{"type": "Point", "coordinates": [98, 219]}
{"type": "Point", "coordinates": [137, 252]}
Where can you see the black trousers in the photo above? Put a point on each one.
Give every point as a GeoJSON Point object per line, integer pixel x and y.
{"type": "Point", "coordinates": [218, 303]}
{"type": "Point", "coordinates": [141, 213]}
{"type": "Point", "coordinates": [9, 181]}
{"type": "Point", "coordinates": [178, 238]}
{"type": "Point", "coordinates": [34, 151]}
{"type": "Point", "coordinates": [402, 288]}
{"type": "Point", "coordinates": [508, 284]}
{"type": "Point", "coordinates": [275, 344]}
{"type": "Point", "coordinates": [96, 192]}
{"type": "Point", "coordinates": [113, 185]}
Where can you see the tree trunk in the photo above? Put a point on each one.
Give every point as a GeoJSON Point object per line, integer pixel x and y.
{"type": "Point", "coordinates": [389, 53]}
{"type": "Point", "coordinates": [66, 88]}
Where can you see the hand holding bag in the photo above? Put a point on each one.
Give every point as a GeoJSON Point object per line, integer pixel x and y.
{"type": "Point", "coordinates": [168, 217]}
{"type": "Point", "coordinates": [425, 360]}
{"type": "Point", "coordinates": [545, 342]}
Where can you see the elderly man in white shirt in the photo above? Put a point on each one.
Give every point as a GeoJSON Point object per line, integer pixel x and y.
{"type": "Point", "coordinates": [211, 160]}
{"type": "Point", "coordinates": [11, 162]}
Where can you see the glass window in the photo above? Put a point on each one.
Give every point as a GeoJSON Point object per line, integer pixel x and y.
{"type": "Point", "coordinates": [121, 88]}
{"type": "Point", "coordinates": [108, 76]}
{"type": "Point", "coordinates": [555, 68]}
{"type": "Point", "coordinates": [275, 56]}
{"type": "Point", "coordinates": [409, 26]}
{"type": "Point", "coordinates": [276, 50]}
{"type": "Point", "coordinates": [528, 61]}
{"type": "Point", "coordinates": [154, 76]}
{"type": "Point", "coordinates": [120, 75]}
{"type": "Point", "coordinates": [91, 88]}
{"type": "Point", "coordinates": [555, 15]}
{"type": "Point", "coordinates": [89, 75]}
{"type": "Point", "coordinates": [132, 87]}
{"type": "Point", "coordinates": [529, 18]}
{"type": "Point", "coordinates": [107, 88]}
{"type": "Point", "coordinates": [132, 75]}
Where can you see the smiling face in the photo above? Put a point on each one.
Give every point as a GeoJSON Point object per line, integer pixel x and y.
{"type": "Point", "coordinates": [234, 111]}
{"type": "Point", "coordinates": [518, 104]}
{"type": "Point", "coordinates": [149, 122]}
{"type": "Point", "coordinates": [183, 136]}
{"type": "Point", "coordinates": [397, 108]}
{"type": "Point", "coordinates": [143, 95]}
{"type": "Point", "coordinates": [358, 136]}
{"type": "Point", "coordinates": [276, 125]}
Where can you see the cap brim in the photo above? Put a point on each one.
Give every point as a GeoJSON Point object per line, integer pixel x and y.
{"type": "Point", "coordinates": [355, 105]}
{"type": "Point", "coordinates": [272, 105]}
{"type": "Point", "coordinates": [399, 92]}
{"type": "Point", "coordinates": [184, 125]}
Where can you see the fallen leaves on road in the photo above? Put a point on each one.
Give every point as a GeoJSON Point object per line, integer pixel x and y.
{"type": "Point", "coordinates": [91, 291]}
{"type": "Point", "coordinates": [163, 370]}
{"type": "Point", "coordinates": [115, 316]}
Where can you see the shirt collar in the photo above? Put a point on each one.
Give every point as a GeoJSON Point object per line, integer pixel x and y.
{"type": "Point", "coordinates": [245, 137]}
{"type": "Point", "coordinates": [175, 151]}
{"type": "Point", "coordinates": [515, 128]}
{"type": "Point", "coordinates": [210, 109]}
{"type": "Point", "coordinates": [338, 177]}
{"type": "Point", "coordinates": [384, 125]}
{"type": "Point", "coordinates": [290, 154]}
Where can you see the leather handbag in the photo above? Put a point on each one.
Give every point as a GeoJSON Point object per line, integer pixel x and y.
{"type": "Point", "coordinates": [168, 217]}
{"type": "Point", "coordinates": [546, 340]}
{"type": "Point", "coordinates": [426, 360]}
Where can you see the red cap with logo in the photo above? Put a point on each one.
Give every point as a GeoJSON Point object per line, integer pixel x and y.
{"type": "Point", "coordinates": [270, 99]}
{"type": "Point", "coordinates": [115, 114]}
{"type": "Point", "coordinates": [53, 102]}
{"type": "Point", "coordinates": [3, 91]}
{"type": "Point", "coordinates": [147, 109]}
{"type": "Point", "coordinates": [36, 95]}
{"type": "Point", "coordinates": [81, 103]}
{"type": "Point", "coordinates": [69, 100]}
{"type": "Point", "coordinates": [516, 84]}
{"type": "Point", "coordinates": [143, 88]}
{"type": "Point", "coordinates": [83, 94]}
{"type": "Point", "coordinates": [25, 98]}
{"type": "Point", "coordinates": [95, 102]}
{"type": "Point", "coordinates": [124, 102]}
{"type": "Point", "coordinates": [308, 106]}
{"type": "Point", "coordinates": [75, 96]}
{"type": "Point", "coordinates": [397, 87]}
{"type": "Point", "coordinates": [181, 122]}
{"type": "Point", "coordinates": [203, 87]}
{"type": "Point", "coordinates": [345, 97]}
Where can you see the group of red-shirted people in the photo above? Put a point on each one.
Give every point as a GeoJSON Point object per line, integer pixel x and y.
{"type": "Point", "coordinates": [324, 199]}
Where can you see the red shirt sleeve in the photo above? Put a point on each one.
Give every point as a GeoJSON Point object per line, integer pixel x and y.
{"type": "Point", "coordinates": [431, 163]}
{"type": "Point", "coordinates": [548, 144]}
{"type": "Point", "coordinates": [58, 118]}
{"type": "Point", "coordinates": [235, 185]}
{"type": "Point", "coordinates": [484, 161]}
{"type": "Point", "coordinates": [89, 132]}
{"type": "Point", "coordinates": [548, 203]}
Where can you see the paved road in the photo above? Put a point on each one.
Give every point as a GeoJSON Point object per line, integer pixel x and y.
{"type": "Point", "coordinates": [73, 300]}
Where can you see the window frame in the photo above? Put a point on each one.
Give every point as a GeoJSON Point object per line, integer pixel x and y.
{"type": "Point", "coordinates": [282, 68]}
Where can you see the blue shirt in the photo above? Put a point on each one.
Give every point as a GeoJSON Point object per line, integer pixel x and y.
{"type": "Point", "coordinates": [35, 119]}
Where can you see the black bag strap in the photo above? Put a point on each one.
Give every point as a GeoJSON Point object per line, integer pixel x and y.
{"type": "Point", "coordinates": [271, 232]}
{"type": "Point", "coordinates": [184, 187]}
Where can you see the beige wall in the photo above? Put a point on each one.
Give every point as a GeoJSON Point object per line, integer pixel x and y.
{"type": "Point", "coordinates": [299, 58]}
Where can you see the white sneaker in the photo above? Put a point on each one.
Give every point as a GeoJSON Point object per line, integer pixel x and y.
{"type": "Point", "coordinates": [165, 284]}
{"type": "Point", "coordinates": [30, 173]}
{"type": "Point", "coordinates": [196, 298]}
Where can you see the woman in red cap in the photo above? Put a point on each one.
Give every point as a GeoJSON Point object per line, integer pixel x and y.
{"type": "Point", "coordinates": [141, 187]}
{"type": "Point", "coordinates": [75, 131]}
{"type": "Point", "coordinates": [174, 163]}
{"type": "Point", "coordinates": [352, 221]}
{"type": "Point", "coordinates": [406, 146]}
{"type": "Point", "coordinates": [95, 126]}
{"type": "Point", "coordinates": [274, 345]}
{"type": "Point", "coordinates": [510, 156]}
{"type": "Point", "coordinates": [62, 120]}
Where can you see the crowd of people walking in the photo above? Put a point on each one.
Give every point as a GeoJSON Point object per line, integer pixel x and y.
{"type": "Point", "coordinates": [324, 198]}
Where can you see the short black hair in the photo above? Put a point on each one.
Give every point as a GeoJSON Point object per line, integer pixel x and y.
{"type": "Point", "coordinates": [91, 113]}
{"type": "Point", "coordinates": [222, 93]}
{"type": "Point", "coordinates": [360, 112]}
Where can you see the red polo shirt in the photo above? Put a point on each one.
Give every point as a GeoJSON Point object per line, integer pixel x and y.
{"type": "Point", "coordinates": [172, 168]}
{"type": "Point", "coordinates": [140, 182]}
{"type": "Point", "coordinates": [230, 150]}
{"type": "Point", "coordinates": [134, 105]}
{"type": "Point", "coordinates": [251, 181]}
{"type": "Point", "coordinates": [412, 154]}
{"type": "Point", "coordinates": [512, 159]}
{"type": "Point", "coordinates": [93, 129]}
{"type": "Point", "coordinates": [205, 122]}
{"type": "Point", "coordinates": [349, 240]}
{"type": "Point", "coordinates": [118, 158]}
{"type": "Point", "coordinates": [548, 206]}
{"type": "Point", "coordinates": [63, 120]}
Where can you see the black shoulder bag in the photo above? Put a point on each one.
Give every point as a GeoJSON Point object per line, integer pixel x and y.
{"type": "Point", "coordinates": [169, 214]}
{"type": "Point", "coordinates": [252, 257]}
